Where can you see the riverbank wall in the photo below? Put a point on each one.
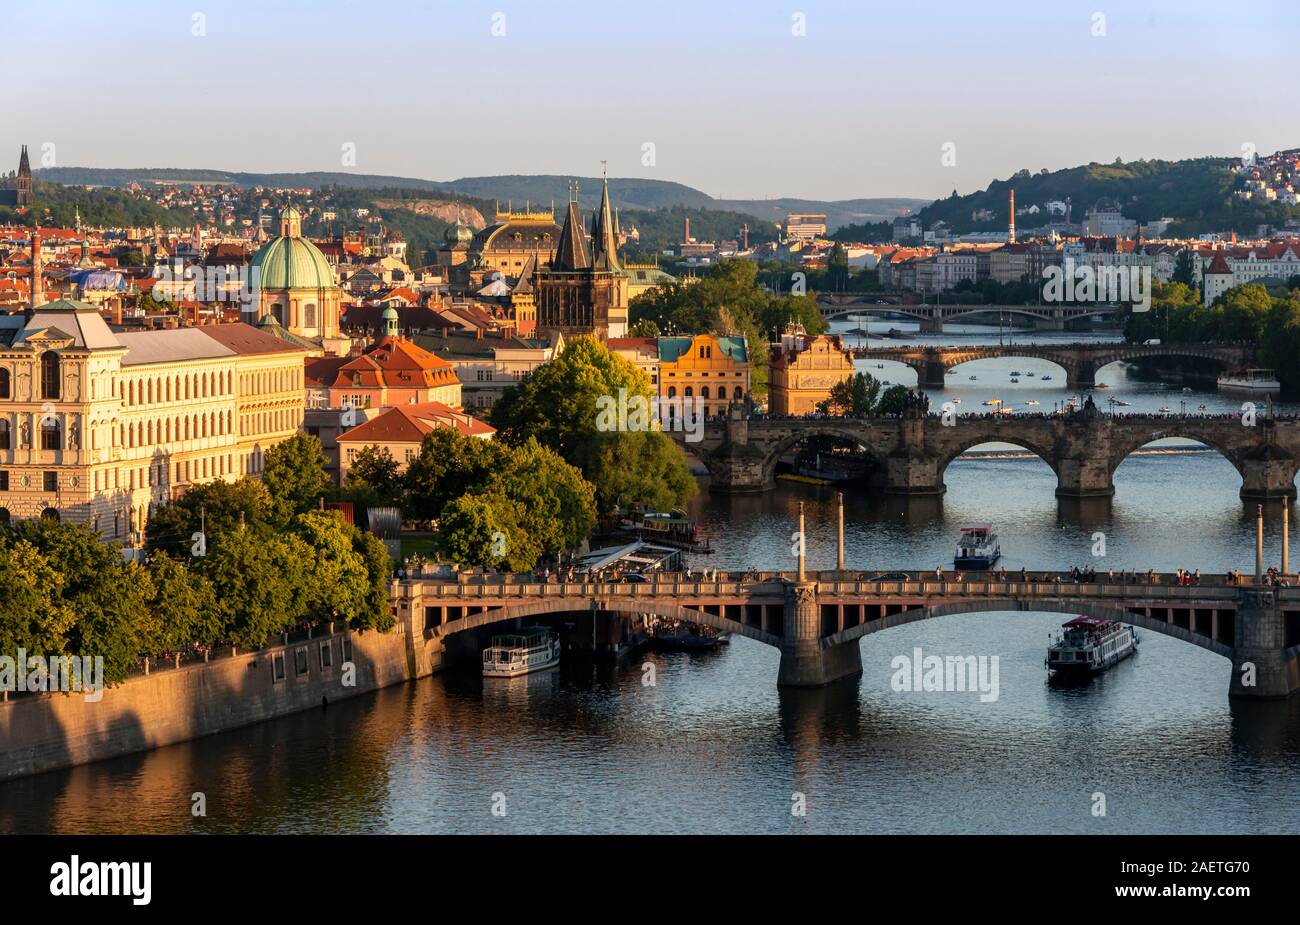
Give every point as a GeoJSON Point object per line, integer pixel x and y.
{"type": "Point", "coordinates": [47, 732]}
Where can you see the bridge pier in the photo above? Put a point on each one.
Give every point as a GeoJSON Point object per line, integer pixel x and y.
{"type": "Point", "coordinates": [931, 375]}
{"type": "Point", "coordinates": [1261, 669]}
{"type": "Point", "coordinates": [1049, 324]}
{"type": "Point", "coordinates": [932, 324]}
{"type": "Point", "coordinates": [1081, 375]}
{"type": "Point", "coordinates": [805, 661]}
{"type": "Point", "coordinates": [1267, 479]}
{"type": "Point", "coordinates": [1083, 477]}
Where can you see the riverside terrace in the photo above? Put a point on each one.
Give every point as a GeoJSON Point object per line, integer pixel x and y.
{"type": "Point", "coordinates": [815, 619]}
{"type": "Point", "coordinates": [1084, 448]}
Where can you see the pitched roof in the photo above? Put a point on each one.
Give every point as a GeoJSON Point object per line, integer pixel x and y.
{"type": "Point", "coordinates": [1218, 264]}
{"type": "Point", "coordinates": [245, 339]}
{"type": "Point", "coordinates": [572, 253]}
{"type": "Point", "coordinates": [410, 423]}
{"type": "Point", "coordinates": [395, 362]}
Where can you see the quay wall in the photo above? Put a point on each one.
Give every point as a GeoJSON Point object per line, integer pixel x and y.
{"type": "Point", "coordinates": [50, 731]}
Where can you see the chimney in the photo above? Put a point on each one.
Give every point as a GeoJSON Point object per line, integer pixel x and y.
{"type": "Point", "coordinates": [1011, 229]}
{"type": "Point", "coordinates": [117, 312]}
{"type": "Point", "coordinates": [38, 285]}
{"type": "Point", "coordinates": [686, 231]}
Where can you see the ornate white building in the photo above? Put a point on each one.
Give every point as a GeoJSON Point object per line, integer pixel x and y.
{"type": "Point", "coordinates": [97, 426]}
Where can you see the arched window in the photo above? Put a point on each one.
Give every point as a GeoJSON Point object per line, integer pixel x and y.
{"type": "Point", "coordinates": [704, 392]}
{"type": "Point", "coordinates": [50, 374]}
{"type": "Point", "coordinates": [50, 434]}
{"type": "Point", "coordinates": [737, 393]}
{"type": "Point", "coordinates": [4, 383]}
{"type": "Point", "coordinates": [672, 391]}
{"type": "Point", "coordinates": [277, 310]}
{"type": "Point", "coordinates": [689, 393]}
{"type": "Point", "coordinates": [4, 434]}
{"type": "Point", "coordinates": [4, 515]}
{"type": "Point", "coordinates": [309, 315]}
{"type": "Point", "coordinates": [49, 514]}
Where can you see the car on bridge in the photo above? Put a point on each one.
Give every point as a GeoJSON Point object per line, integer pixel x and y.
{"type": "Point", "coordinates": [892, 576]}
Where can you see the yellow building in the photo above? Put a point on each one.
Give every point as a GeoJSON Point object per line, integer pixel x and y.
{"type": "Point", "coordinates": [705, 373]}
{"type": "Point", "coordinates": [515, 237]}
{"type": "Point", "coordinates": [802, 370]}
{"type": "Point", "coordinates": [96, 427]}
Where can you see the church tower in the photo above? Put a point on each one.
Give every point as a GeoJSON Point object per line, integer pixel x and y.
{"type": "Point", "coordinates": [23, 184]}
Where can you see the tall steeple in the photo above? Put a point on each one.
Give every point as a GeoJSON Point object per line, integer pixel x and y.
{"type": "Point", "coordinates": [23, 182]}
{"type": "Point", "coordinates": [604, 240]}
{"type": "Point", "coordinates": [571, 252]}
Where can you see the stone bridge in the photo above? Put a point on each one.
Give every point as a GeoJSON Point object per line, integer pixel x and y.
{"type": "Point", "coordinates": [1053, 317]}
{"type": "Point", "coordinates": [815, 619]}
{"type": "Point", "coordinates": [1081, 362]}
{"type": "Point", "coordinates": [910, 453]}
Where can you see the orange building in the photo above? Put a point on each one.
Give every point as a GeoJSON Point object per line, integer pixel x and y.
{"type": "Point", "coordinates": [705, 371]}
{"type": "Point", "coordinates": [394, 372]}
{"type": "Point", "coordinates": [803, 369]}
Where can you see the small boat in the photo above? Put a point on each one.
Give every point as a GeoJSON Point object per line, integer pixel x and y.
{"type": "Point", "coordinates": [1202, 408]}
{"type": "Point", "coordinates": [1102, 385]}
{"type": "Point", "coordinates": [1119, 403]}
{"type": "Point", "coordinates": [534, 648]}
{"type": "Point", "coordinates": [1090, 645]}
{"type": "Point", "coordinates": [880, 366]}
{"type": "Point", "coordinates": [1032, 401]}
{"type": "Point", "coordinates": [682, 636]}
{"type": "Point", "coordinates": [972, 378]}
{"type": "Point", "coordinates": [1031, 373]}
{"type": "Point", "coordinates": [1014, 380]}
{"type": "Point", "coordinates": [993, 401]}
{"type": "Point", "coordinates": [978, 547]}
{"type": "Point", "coordinates": [1047, 378]}
{"type": "Point", "coordinates": [1186, 388]}
{"type": "Point", "coordinates": [956, 401]}
{"type": "Point", "coordinates": [1016, 372]}
{"type": "Point", "coordinates": [1164, 409]}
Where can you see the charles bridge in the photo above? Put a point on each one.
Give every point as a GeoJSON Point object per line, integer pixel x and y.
{"type": "Point", "coordinates": [1080, 361]}
{"type": "Point", "coordinates": [816, 619]}
{"type": "Point", "coordinates": [1054, 317]}
{"type": "Point", "coordinates": [909, 453]}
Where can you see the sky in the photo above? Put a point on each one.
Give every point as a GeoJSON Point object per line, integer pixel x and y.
{"type": "Point", "coordinates": [857, 98]}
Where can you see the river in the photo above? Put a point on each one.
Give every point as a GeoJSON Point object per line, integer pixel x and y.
{"type": "Point", "coordinates": [713, 747]}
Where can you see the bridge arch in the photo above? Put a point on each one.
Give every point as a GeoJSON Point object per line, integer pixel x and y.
{"type": "Point", "coordinates": [1175, 430]}
{"type": "Point", "coordinates": [1066, 370]}
{"type": "Point", "coordinates": [957, 447]}
{"type": "Point", "coordinates": [611, 604]}
{"type": "Point", "coordinates": [845, 434]}
{"type": "Point", "coordinates": [1082, 608]}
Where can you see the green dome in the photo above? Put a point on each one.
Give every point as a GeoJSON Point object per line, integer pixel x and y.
{"type": "Point", "coordinates": [292, 263]}
{"type": "Point", "coordinates": [458, 233]}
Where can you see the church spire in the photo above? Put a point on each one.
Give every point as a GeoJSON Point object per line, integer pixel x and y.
{"type": "Point", "coordinates": [571, 253]}
{"type": "Point", "coordinates": [604, 241]}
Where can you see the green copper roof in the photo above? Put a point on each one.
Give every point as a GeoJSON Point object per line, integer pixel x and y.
{"type": "Point", "coordinates": [670, 348]}
{"type": "Point", "coordinates": [292, 263]}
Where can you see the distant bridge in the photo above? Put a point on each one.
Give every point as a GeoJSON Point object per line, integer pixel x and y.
{"type": "Point", "coordinates": [1052, 317]}
{"type": "Point", "coordinates": [910, 453]}
{"type": "Point", "coordinates": [816, 619]}
{"type": "Point", "coordinates": [1080, 361]}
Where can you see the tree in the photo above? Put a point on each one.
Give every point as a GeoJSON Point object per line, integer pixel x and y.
{"type": "Point", "coordinates": [220, 508]}
{"type": "Point", "coordinates": [1184, 269]}
{"type": "Point", "coordinates": [646, 327]}
{"type": "Point", "coordinates": [294, 474]}
{"type": "Point", "coordinates": [556, 505]}
{"type": "Point", "coordinates": [374, 471]}
{"type": "Point", "coordinates": [894, 400]}
{"type": "Point", "coordinates": [33, 615]}
{"type": "Point", "coordinates": [449, 465]}
{"type": "Point", "coordinates": [259, 582]}
{"type": "Point", "coordinates": [339, 585]}
{"type": "Point", "coordinates": [856, 396]}
{"type": "Point", "coordinates": [182, 605]}
{"type": "Point", "coordinates": [837, 265]}
{"type": "Point", "coordinates": [645, 467]}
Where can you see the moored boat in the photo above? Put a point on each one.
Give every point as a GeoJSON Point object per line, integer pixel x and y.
{"type": "Point", "coordinates": [533, 648]}
{"type": "Point", "coordinates": [1089, 645]}
{"type": "Point", "coordinates": [978, 547]}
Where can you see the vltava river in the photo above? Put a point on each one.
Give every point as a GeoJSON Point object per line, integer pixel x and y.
{"type": "Point", "coordinates": [713, 747]}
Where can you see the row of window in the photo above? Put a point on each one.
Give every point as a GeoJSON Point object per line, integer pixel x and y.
{"type": "Point", "coordinates": [689, 392]}
{"type": "Point", "coordinates": [49, 480]}
{"type": "Point", "coordinates": [176, 387]}
{"type": "Point", "coordinates": [51, 377]}
{"type": "Point", "coordinates": [324, 654]}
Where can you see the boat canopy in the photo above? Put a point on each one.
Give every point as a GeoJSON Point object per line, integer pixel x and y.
{"type": "Point", "coordinates": [977, 528]}
{"type": "Point", "coordinates": [1086, 622]}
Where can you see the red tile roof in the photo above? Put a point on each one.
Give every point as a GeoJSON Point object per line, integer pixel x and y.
{"type": "Point", "coordinates": [409, 424]}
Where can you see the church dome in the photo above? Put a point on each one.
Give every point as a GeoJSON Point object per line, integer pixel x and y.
{"type": "Point", "coordinates": [458, 233]}
{"type": "Point", "coordinates": [290, 261]}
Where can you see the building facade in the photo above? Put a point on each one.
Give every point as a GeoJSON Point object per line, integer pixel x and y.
{"type": "Point", "coordinates": [702, 374]}
{"type": "Point", "coordinates": [803, 369]}
{"type": "Point", "coordinates": [97, 427]}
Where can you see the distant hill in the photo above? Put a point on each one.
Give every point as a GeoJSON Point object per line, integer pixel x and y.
{"type": "Point", "coordinates": [517, 189]}
{"type": "Point", "coordinates": [1197, 193]}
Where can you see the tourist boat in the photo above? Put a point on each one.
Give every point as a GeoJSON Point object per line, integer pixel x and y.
{"type": "Point", "coordinates": [1251, 380]}
{"type": "Point", "coordinates": [1032, 401]}
{"type": "Point", "coordinates": [674, 529]}
{"type": "Point", "coordinates": [1164, 409]}
{"type": "Point", "coordinates": [978, 547]}
{"type": "Point", "coordinates": [1119, 402]}
{"type": "Point", "coordinates": [993, 401]}
{"type": "Point", "coordinates": [1091, 644]}
{"type": "Point", "coordinates": [534, 648]}
{"type": "Point", "coordinates": [1014, 379]}
{"type": "Point", "coordinates": [680, 635]}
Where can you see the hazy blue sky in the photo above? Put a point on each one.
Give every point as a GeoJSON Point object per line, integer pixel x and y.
{"type": "Point", "coordinates": [733, 102]}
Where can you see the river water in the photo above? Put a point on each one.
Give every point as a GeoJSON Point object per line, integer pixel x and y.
{"type": "Point", "coordinates": [713, 747]}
